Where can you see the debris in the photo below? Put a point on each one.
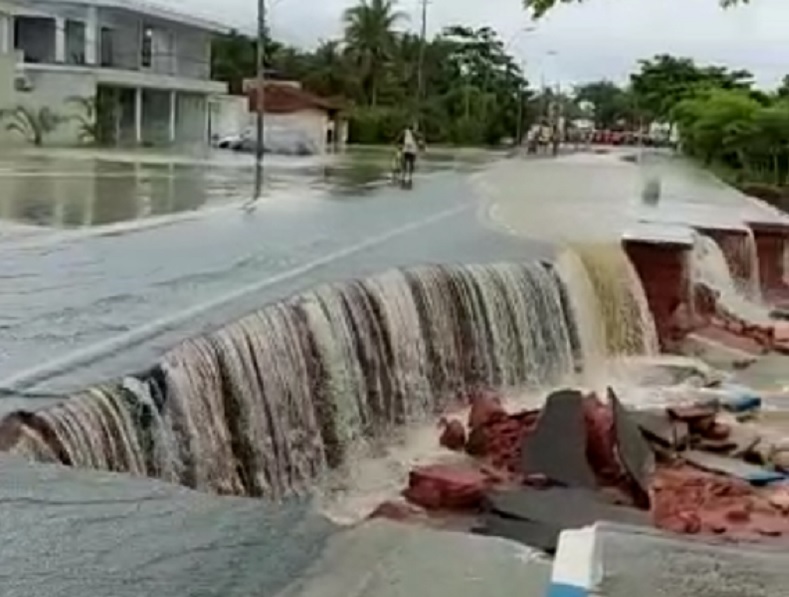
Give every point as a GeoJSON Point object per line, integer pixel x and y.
{"type": "Point", "coordinates": [453, 436]}
{"type": "Point", "coordinates": [732, 467]}
{"type": "Point", "coordinates": [658, 427]}
{"type": "Point", "coordinates": [557, 446]}
{"type": "Point", "coordinates": [445, 487]}
{"type": "Point", "coordinates": [740, 399]}
{"type": "Point", "coordinates": [634, 452]}
{"type": "Point", "coordinates": [539, 535]}
{"type": "Point", "coordinates": [398, 510]}
{"type": "Point", "coordinates": [486, 408]}
{"type": "Point", "coordinates": [694, 414]}
{"type": "Point", "coordinates": [689, 500]}
{"type": "Point", "coordinates": [547, 512]}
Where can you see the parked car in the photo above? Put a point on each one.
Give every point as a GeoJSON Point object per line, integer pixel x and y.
{"type": "Point", "coordinates": [276, 140]}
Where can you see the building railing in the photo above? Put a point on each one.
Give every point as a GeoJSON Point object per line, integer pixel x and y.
{"type": "Point", "coordinates": [160, 63]}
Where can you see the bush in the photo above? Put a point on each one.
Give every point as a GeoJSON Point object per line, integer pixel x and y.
{"type": "Point", "coordinates": [376, 125]}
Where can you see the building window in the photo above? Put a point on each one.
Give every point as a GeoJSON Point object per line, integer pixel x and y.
{"type": "Point", "coordinates": [147, 47]}
{"type": "Point", "coordinates": [107, 50]}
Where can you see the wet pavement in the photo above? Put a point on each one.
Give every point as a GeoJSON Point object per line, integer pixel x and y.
{"type": "Point", "coordinates": [79, 305]}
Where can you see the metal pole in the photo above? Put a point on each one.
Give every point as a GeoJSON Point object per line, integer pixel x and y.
{"type": "Point", "coordinates": [421, 66]}
{"type": "Point", "coordinates": [519, 134]}
{"type": "Point", "coordinates": [259, 100]}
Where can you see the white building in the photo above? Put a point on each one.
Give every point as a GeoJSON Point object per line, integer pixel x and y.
{"type": "Point", "coordinates": [147, 69]}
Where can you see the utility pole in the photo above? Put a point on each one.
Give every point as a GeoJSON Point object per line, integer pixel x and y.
{"type": "Point", "coordinates": [519, 131]}
{"type": "Point", "coordinates": [259, 102]}
{"type": "Point", "coordinates": [421, 66]}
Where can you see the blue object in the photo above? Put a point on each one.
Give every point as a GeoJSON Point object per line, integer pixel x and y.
{"type": "Point", "coordinates": [562, 590]}
{"type": "Point", "coordinates": [740, 399]}
{"type": "Point", "coordinates": [765, 477]}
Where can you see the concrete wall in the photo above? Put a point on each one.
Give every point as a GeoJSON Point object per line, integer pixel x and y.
{"type": "Point", "coordinates": [662, 270]}
{"type": "Point", "coordinates": [7, 72]}
{"type": "Point", "coordinates": [192, 119]}
{"type": "Point", "coordinates": [50, 89]}
{"type": "Point", "coordinates": [770, 244]}
{"type": "Point", "coordinates": [53, 89]}
{"type": "Point", "coordinates": [229, 115]}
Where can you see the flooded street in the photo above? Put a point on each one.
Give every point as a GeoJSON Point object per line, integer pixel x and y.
{"type": "Point", "coordinates": [106, 263]}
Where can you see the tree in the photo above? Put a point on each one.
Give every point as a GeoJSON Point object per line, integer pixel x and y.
{"type": "Point", "coordinates": [370, 39]}
{"type": "Point", "coordinates": [539, 7]}
{"type": "Point", "coordinates": [612, 104]}
{"type": "Point", "coordinates": [87, 118]}
{"type": "Point", "coordinates": [234, 58]}
{"type": "Point", "coordinates": [33, 125]}
{"type": "Point", "coordinates": [664, 81]}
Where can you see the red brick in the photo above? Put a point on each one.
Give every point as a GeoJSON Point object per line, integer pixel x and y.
{"type": "Point", "coordinates": [453, 436]}
{"type": "Point", "coordinates": [447, 487]}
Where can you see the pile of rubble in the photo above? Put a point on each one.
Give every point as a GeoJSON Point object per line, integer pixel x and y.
{"type": "Point", "coordinates": [712, 319]}
{"type": "Point", "coordinates": [695, 469]}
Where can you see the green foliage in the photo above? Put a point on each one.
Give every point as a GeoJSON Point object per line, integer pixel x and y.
{"type": "Point", "coordinates": [664, 81]}
{"type": "Point", "coordinates": [87, 118]}
{"type": "Point", "coordinates": [611, 104]}
{"type": "Point", "coordinates": [33, 125]}
{"type": "Point", "coordinates": [471, 88]}
{"type": "Point", "coordinates": [539, 7]}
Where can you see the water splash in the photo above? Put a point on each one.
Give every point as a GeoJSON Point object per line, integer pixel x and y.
{"type": "Point", "coordinates": [710, 267]}
{"type": "Point", "coordinates": [268, 404]}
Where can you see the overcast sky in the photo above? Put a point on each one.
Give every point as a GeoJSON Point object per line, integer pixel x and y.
{"type": "Point", "coordinates": [575, 43]}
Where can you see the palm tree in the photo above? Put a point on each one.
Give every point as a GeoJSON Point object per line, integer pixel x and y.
{"type": "Point", "coordinates": [31, 124]}
{"type": "Point", "coordinates": [370, 39]}
{"type": "Point", "coordinates": [87, 119]}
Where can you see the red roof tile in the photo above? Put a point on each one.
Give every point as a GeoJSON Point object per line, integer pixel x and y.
{"type": "Point", "coordinates": [285, 99]}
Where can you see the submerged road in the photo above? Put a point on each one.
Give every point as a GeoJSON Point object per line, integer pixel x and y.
{"type": "Point", "coordinates": [80, 307]}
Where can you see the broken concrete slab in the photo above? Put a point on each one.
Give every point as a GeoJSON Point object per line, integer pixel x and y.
{"type": "Point", "coordinates": [538, 535]}
{"type": "Point", "coordinates": [733, 467]}
{"type": "Point", "coordinates": [612, 560]}
{"type": "Point", "coordinates": [563, 507]}
{"type": "Point", "coordinates": [557, 446]}
{"type": "Point", "coordinates": [72, 533]}
{"type": "Point", "coordinates": [385, 559]}
{"type": "Point", "coordinates": [634, 452]}
{"type": "Point", "coordinates": [658, 427]}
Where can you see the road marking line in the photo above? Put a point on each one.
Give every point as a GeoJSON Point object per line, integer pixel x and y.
{"type": "Point", "coordinates": [35, 375]}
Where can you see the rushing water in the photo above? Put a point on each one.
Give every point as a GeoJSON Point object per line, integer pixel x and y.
{"type": "Point", "coordinates": [710, 267]}
{"type": "Point", "coordinates": [620, 311]}
{"type": "Point", "coordinates": [266, 405]}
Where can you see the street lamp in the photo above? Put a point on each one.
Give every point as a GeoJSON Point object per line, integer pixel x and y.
{"type": "Point", "coordinates": [510, 41]}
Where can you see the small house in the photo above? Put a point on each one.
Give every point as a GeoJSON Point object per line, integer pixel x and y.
{"type": "Point", "coordinates": [286, 104]}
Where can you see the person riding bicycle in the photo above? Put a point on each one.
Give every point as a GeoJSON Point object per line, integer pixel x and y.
{"type": "Point", "coordinates": [409, 147]}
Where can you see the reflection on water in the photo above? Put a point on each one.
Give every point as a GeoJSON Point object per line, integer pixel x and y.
{"type": "Point", "coordinates": [81, 193]}
{"type": "Point", "coordinates": [73, 190]}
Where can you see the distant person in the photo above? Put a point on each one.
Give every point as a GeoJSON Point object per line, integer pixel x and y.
{"type": "Point", "coordinates": [409, 146]}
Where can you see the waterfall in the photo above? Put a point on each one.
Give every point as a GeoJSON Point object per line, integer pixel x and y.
{"type": "Point", "coordinates": [612, 307]}
{"type": "Point", "coordinates": [710, 267]}
{"type": "Point", "coordinates": [267, 405]}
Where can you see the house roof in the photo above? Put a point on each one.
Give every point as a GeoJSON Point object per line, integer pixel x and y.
{"type": "Point", "coordinates": [281, 98]}
{"type": "Point", "coordinates": [162, 10]}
